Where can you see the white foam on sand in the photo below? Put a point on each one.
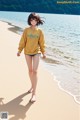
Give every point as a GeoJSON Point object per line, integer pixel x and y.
{"type": "Point", "coordinates": [55, 78]}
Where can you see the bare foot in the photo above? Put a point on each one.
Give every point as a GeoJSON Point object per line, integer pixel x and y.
{"type": "Point", "coordinates": [33, 99]}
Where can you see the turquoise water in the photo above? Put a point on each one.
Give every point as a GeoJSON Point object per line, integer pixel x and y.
{"type": "Point", "coordinates": [62, 36]}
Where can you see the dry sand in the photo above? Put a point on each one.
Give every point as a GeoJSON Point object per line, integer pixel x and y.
{"type": "Point", "coordinates": [52, 103]}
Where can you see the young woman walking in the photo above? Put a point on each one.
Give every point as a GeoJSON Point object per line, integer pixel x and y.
{"type": "Point", "coordinates": [32, 41]}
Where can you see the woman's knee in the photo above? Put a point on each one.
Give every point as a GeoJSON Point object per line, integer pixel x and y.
{"type": "Point", "coordinates": [30, 71]}
{"type": "Point", "coordinates": [34, 71]}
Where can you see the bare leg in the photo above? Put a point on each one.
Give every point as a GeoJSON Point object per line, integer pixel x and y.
{"type": "Point", "coordinates": [33, 62]}
{"type": "Point", "coordinates": [29, 64]}
{"type": "Point", "coordinates": [35, 67]}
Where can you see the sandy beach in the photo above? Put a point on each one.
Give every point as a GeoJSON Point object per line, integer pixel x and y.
{"type": "Point", "coordinates": [52, 103]}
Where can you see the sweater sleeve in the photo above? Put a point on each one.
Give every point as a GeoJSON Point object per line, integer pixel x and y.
{"type": "Point", "coordinates": [22, 42]}
{"type": "Point", "coordinates": [42, 42]}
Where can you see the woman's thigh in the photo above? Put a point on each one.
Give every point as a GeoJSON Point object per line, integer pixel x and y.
{"type": "Point", "coordinates": [36, 62]}
{"type": "Point", "coordinates": [29, 62]}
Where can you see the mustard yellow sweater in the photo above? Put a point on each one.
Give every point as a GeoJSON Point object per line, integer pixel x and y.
{"type": "Point", "coordinates": [32, 41]}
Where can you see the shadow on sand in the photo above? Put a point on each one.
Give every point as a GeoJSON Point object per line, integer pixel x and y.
{"type": "Point", "coordinates": [14, 108]}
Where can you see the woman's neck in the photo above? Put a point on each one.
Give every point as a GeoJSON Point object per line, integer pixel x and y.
{"type": "Point", "coordinates": [33, 27]}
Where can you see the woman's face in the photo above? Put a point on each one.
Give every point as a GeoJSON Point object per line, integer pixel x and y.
{"type": "Point", "coordinates": [33, 22]}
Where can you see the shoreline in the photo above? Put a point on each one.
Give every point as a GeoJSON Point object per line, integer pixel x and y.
{"type": "Point", "coordinates": [50, 99]}
{"type": "Point", "coordinates": [17, 29]}
{"type": "Point", "coordinates": [46, 13]}
{"type": "Point", "coordinates": [13, 28]}
{"type": "Point", "coordinates": [60, 87]}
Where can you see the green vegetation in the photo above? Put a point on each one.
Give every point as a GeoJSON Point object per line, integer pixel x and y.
{"type": "Point", "coordinates": [43, 6]}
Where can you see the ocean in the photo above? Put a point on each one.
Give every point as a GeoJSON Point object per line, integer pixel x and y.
{"type": "Point", "coordinates": [62, 37]}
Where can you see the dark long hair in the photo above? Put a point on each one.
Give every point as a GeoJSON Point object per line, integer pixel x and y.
{"type": "Point", "coordinates": [36, 17]}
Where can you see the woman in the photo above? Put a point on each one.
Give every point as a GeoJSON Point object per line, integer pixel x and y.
{"type": "Point", "coordinates": [33, 43]}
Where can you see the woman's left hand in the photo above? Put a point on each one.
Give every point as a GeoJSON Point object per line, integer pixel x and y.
{"type": "Point", "coordinates": [44, 56]}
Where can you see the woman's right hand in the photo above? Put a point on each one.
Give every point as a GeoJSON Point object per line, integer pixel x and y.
{"type": "Point", "coordinates": [18, 54]}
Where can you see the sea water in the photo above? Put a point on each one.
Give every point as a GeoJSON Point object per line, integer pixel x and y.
{"type": "Point", "coordinates": [62, 37]}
